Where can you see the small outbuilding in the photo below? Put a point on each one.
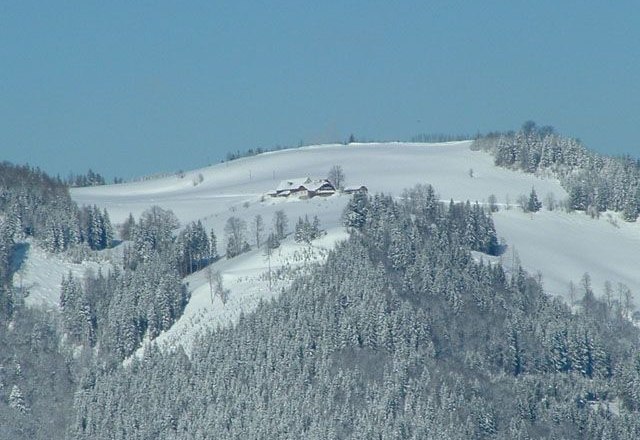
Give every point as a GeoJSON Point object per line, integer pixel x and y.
{"type": "Point", "coordinates": [356, 189]}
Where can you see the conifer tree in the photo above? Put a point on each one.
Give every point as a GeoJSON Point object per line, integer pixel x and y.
{"type": "Point", "coordinates": [356, 211]}
{"type": "Point", "coordinates": [16, 400]}
{"type": "Point", "coordinates": [126, 229]}
{"type": "Point", "coordinates": [533, 203]}
{"type": "Point", "coordinates": [213, 246]}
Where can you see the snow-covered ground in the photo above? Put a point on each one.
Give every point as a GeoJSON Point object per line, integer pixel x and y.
{"type": "Point", "coordinates": [564, 246]}
{"type": "Point", "coordinates": [40, 274]}
{"type": "Point", "coordinates": [560, 245]}
{"type": "Point", "coordinates": [389, 167]}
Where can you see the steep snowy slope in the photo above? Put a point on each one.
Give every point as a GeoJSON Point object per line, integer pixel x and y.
{"type": "Point", "coordinates": [248, 281]}
{"type": "Point", "coordinates": [562, 246]}
{"type": "Point", "coordinates": [40, 273]}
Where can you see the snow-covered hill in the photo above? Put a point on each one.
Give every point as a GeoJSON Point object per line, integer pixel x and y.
{"type": "Point", "coordinates": [389, 168]}
{"type": "Point", "coordinates": [561, 246]}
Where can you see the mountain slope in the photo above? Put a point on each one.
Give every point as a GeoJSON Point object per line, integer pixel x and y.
{"type": "Point", "coordinates": [562, 246]}
{"type": "Point", "coordinates": [399, 335]}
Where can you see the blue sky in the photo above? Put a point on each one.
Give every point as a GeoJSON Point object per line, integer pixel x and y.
{"type": "Point", "coordinates": [133, 88]}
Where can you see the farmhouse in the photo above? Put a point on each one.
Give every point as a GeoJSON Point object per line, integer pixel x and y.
{"type": "Point", "coordinates": [305, 187]}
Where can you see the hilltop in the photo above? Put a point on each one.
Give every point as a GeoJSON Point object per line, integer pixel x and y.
{"type": "Point", "coordinates": [560, 245]}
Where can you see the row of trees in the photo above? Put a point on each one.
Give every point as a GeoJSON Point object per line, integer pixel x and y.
{"type": "Point", "coordinates": [95, 228]}
{"type": "Point", "coordinates": [237, 238]}
{"type": "Point", "coordinates": [195, 248]}
{"type": "Point", "coordinates": [155, 232]}
{"type": "Point", "coordinates": [469, 222]}
{"type": "Point", "coordinates": [531, 203]}
{"type": "Point", "coordinates": [91, 178]}
{"type": "Point", "coordinates": [306, 230]}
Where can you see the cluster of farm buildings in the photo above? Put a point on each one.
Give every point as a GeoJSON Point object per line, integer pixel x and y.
{"type": "Point", "coordinates": [306, 187]}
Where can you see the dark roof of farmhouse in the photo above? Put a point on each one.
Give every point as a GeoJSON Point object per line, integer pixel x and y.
{"type": "Point", "coordinates": [303, 182]}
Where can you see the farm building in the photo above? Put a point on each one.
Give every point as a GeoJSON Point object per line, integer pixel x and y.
{"type": "Point", "coordinates": [305, 187]}
{"type": "Point", "coordinates": [356, 189]}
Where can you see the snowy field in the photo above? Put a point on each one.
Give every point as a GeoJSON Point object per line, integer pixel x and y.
{"type": "Point", "coordinates": [41, 274]}
{"type": "Point", "coordinates": [564, 246]}
{"type": "Point", "coordinates": [561, 246]}
{"type": "Point", "coordinates": [238, 186]}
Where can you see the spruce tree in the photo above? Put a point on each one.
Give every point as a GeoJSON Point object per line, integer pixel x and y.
{"type": "Point", "coordinates": [16, 400]}
{"type": "Point", "coordinates": [213, 246]}
{"type": "Point", "coordinates": [533, 204]}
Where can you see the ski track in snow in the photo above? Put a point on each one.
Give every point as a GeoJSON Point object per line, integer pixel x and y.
{"type": "Point", "coordinates": [561, 246]}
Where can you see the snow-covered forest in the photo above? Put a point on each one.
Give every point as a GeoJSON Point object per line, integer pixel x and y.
{"type": "Point", "coordinates": [198, 305]}
{"type": "Point", "coordinates": [400, 334]}
{"type": "Point", "coordinates": [595, 183]}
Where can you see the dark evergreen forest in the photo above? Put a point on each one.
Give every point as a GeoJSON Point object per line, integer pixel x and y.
{"type": "Point", "coordinates": [38, 373]}
{"type": "Point", "coordinates": [46, 354]}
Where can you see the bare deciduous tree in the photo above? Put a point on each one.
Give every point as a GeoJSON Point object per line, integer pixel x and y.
{"type": "Point", "coordinates": [258, 229]}
{"type": "Point", "coordinates": [280, 223]}
{"type": "Point", "coordinates": [493, 203]}
{"type": "Point", "coordinates": [550, 201]}
{"type": "Point", "coordinates": [336, 176]}
{"type": "Point", "coordinates": [216, 287]}
{"type": "Point", "coordinates": [235, 230]}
